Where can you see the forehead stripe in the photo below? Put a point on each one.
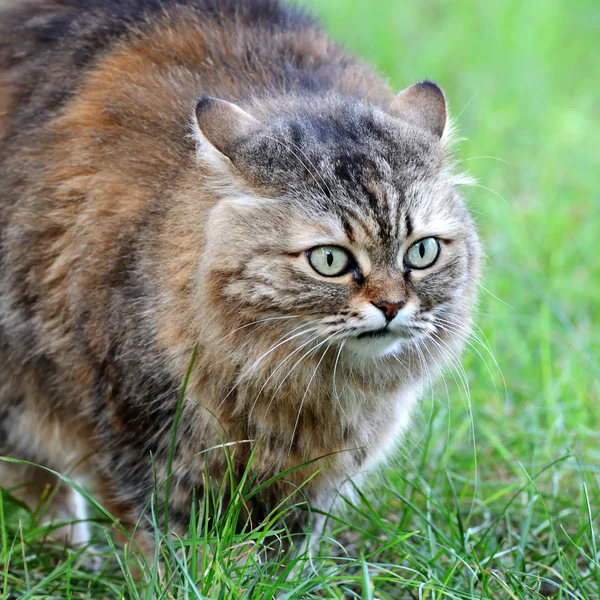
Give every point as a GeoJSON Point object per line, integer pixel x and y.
{"type": "Point", "coordinates": [409, 225]}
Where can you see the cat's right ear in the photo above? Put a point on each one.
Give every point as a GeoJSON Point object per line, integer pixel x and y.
{"type": "Point", "coordinates": [423, 104]}
{"type": "Point", "coordinates": [218, 125]}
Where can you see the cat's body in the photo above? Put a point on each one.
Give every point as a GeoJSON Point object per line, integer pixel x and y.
{"type": "Point", "coordinates": [132, 230]}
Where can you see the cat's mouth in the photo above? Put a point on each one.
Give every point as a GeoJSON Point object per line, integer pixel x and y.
{"type": "Point", "coordinates": [376, 334]}
{"type": "Point", "coordinates": [379, 342]}
{"type": "Point", "coordinates": [405, 332]}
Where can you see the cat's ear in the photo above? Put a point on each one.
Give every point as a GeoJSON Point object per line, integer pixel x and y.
{"type": "Point", "coordinates": [423, 104]}
{"type": "Point", "coordinates": [218, 125]}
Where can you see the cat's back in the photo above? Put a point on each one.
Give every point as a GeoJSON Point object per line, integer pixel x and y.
{"type": "Point", "coordinates": [49, 47]}
{"type": "Point", "coordinates": [125, 74]}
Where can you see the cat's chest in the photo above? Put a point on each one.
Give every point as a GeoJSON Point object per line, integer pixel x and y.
{"type": "Point", "coordinates": [358, 425]}
{"type": "Point", "coordinates": [364, 431]}
{"type": "Point", "coordinates": [376, 418]}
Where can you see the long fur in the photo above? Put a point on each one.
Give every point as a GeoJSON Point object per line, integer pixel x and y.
{"type": "Point", "coordinates": [124, 243]}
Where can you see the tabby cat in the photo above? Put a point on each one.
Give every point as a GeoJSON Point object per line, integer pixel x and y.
{"type": "Point", "coordinates": [214, 185]}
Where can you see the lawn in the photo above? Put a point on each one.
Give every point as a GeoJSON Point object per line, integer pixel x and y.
{"type": "Point", "coordinates": [496, 493]}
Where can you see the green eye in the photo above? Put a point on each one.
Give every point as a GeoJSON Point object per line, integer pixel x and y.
{"type": "Point", "coordinates": [329, 261]}
{"type": "Point", "coordinates": [422, 254]}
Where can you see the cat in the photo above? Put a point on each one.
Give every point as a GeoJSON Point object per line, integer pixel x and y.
{"type": "Point", "coordinates": [214, 187]}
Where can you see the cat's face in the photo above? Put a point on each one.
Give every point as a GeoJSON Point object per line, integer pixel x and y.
{"type": "Point", "coordinates": [350, 232]}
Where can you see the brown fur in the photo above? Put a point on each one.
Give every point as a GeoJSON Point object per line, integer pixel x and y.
{"type": "Point", "coordinates": [114, 264]}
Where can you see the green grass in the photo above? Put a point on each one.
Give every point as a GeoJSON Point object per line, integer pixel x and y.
{"type": "Point", "coordinates": [499, 499]}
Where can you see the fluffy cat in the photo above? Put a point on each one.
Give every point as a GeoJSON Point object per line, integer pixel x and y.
{"type": "Point", "coordinates": [215, 175]}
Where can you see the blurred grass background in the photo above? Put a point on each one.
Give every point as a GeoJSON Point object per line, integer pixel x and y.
{"type": "Point", "coordinates": [496, 494]}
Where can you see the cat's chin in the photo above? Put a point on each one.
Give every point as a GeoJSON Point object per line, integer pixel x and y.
{"type": "Point", "coordinates": [370, 348]}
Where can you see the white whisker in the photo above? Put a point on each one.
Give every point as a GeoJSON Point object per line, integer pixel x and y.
{"type": "Point", "coordinates": [484, 157]}
{"type": "Point", "coordinates": [272, 374]}
{"type": "Point", "coordinates": [455, 362]}
{"type": "Point", "coordinates": [260, 321]}
{"type": "Point", "coordinates": [454, 327]}
{"type": "Point", "coordinates": [257, 362]}
{"type": "Point", "coordinates": [335, 394]}
{"type": "Point", "coordinates": [306, 392]}
{"type": "Point", "coordinates": [308, 353]}
{"type": "Point", "coordinates": [435, 362]}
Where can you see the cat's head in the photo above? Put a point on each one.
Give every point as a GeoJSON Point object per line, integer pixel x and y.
{"type": "Point", "coordinates": [339, 222]}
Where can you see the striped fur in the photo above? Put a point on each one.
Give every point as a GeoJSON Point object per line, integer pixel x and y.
{"type": "Point", "coordinates": [131, 230]}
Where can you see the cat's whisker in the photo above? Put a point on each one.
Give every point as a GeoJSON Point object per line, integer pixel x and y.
{"type": "Point", "coordinates": [494, 295]}
{"type": "Point", "coordinates": [407, 368]}
{"type": "Point", "coordinates": [273, 373]}
{"type": "Point", "coordinates": [453, 361]}
{"type": "Point", "coordinates": [478, 283]}
{"type": "Point", "coordinates": [459, 115]}
{"type": "Point", "coordinates": [432, 396]}
{"type": "Point", "coordinates": [450, 363]}
{"type": "Point", "coordinates": [483, 157]}
{"type": "Point", "coordinates": [261, 321]}
{"type": "Point", "coordinates": [441, 344]}
{"type": "Point", "coordinates": [307, 389]}
{"type": "Point", "coordinates": [426, 348]}
{"type": "Point", "coordinates": [424, 367]}
{"type": "Point", "coordinates": [456, 369]}
{"type": "Point", "coordinates": [454, 327]}
{"type": "Point", "coordinates": [293, 367]}
{"type": "Point", "coordinates": [257, 362]}
{"type": "Point", "coordinates": [334, 377]}
{"type": "Point", "coordinates": [483, 187]}
{"type": "Point", "coordinates": [423, 363]}
{"type": "Point", "coordinates": [335, 393]}
{"type": "Point", "coordinates": [288, 374]}
{"type": "Point", "coordinates": [485, 343]}
{"type": "Point", "coordinates": [280, 342]}
{"type": "Point", "coordinates": [326, 187]}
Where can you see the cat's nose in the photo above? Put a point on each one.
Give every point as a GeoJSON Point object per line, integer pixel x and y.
{"type": "Point", "coordinates": [389, 309]}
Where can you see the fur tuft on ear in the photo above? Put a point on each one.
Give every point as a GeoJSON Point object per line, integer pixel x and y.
{"type": "Point", "coordinates": [218, 124]}
{"type": "Point", "coordinates": [423, 104]}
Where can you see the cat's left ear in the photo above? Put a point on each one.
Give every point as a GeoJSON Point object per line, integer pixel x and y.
{"type": "Point", "coordinates": [423, 104]}
{"type": "Point", "coordinates": [218, 125]}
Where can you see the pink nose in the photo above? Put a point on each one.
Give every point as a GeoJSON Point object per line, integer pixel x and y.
{"type": "Point", "coordinates": [389, 309]}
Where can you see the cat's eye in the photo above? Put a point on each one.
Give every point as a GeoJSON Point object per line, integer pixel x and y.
{"type": "Point", "coordinates": [422, 254]}
{"type": "Point", "coordinates": [329, 261]}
